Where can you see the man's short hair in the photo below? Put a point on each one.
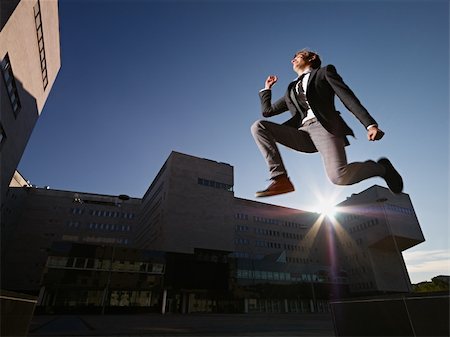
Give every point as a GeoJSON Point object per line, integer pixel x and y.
{"type": "Point", "coordinates": [311, 57]}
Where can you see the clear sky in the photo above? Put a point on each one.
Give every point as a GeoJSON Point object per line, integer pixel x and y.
{"type": "Point", "coordinates": [142, 78]}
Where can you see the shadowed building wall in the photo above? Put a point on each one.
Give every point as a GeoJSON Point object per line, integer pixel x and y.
{"type": "Point", "coordinates": [190, 208]}
{"type": "Point", "coordinates": [30, 61]}
{"type": "Point", "coordinates": [43, 216]}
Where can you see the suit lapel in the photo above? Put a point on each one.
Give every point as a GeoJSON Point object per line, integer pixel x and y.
{"type": "Point", "coordinates": [313, 73]}
{"type": "Point", "coordinates": [291, 96]}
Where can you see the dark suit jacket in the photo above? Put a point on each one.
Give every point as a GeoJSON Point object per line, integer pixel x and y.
{"type": "Point", "coordinates": [323, 84]}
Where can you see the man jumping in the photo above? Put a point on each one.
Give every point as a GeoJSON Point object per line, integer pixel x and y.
{"type": "Point", "coordinates": [316, 126]}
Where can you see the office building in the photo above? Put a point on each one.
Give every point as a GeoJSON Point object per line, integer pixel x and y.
{"type": "Point", "coordinates": [38, 217]}
{"type": "Point", "coordinates": [372, 229]}
{"type": "Point", "coordinates": [29, 63]}
{"type": "Point", "coordinates": [275, 259]}
{"type": "Point", "coordinates": [188, 205]}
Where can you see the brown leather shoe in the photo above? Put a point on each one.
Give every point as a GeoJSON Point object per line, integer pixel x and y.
{"type": "Point", "coordinates": [279, 185]}
{"type": "Point", "coordinates": [392, 177]}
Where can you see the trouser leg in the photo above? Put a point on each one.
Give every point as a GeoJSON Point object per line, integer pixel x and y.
{"type": "Point", "coordinates": [332, 150]}
{"type": "Point", "coordinates": [267, 134]}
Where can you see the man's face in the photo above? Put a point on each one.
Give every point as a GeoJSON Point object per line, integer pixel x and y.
{"type": "Point", "coordinates": [299, 61]}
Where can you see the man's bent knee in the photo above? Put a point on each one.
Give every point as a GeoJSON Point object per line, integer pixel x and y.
{"type": "Point", "coordinates": [257, 126]}
{"type": "Point", "coordinates": [338, 179]}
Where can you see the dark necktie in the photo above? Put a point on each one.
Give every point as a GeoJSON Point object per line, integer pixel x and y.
{"type": "Point", "coordinates": [300, 95]}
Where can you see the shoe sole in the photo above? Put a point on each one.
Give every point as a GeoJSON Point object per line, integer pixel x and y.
{"type": "Point", "coordinates": [272, 193]}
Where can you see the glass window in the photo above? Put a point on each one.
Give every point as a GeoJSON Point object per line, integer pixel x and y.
{"type": "Point", "coordinates": [2, 135]}
{"type": "Point", "coordinates": [90, 263]}
{"type": "Point", "coordinates": [79, 262]}
{"type": "Point", "coordinates": [57, 261]}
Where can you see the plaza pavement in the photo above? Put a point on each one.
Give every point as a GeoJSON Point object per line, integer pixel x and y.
{"type": "Point", "coordinates": [170, 325]}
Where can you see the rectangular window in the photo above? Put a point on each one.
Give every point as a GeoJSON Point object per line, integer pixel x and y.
{"type": "Point", "coordinates": [10, 84]}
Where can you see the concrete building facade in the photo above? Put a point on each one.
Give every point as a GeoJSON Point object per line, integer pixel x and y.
{"type": "Point", "coordinates": [41, 216]}
{"type": "Point", "coordinates": [188, 205]}
{"type": "Point", "coordinates": [281, 259]}
{"type": "Point", "coordinates": [372, 230]}
{"type": "Point", "coordinates": [30, 61]}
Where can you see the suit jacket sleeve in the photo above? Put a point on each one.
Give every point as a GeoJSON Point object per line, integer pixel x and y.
{"type": "Point", "coordinates": [347, 97]}
{"type": "Point", "coordinates": [267, 108]}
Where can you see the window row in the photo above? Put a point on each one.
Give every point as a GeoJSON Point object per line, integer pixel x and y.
{"type": "Point", "coordinates": [399, 209]}
{"type": "Point", "coordinates": [100, 239]}
{"type": "Point", "coordinates": [109, 227]}
{"type": "Point", "coordinates": [241, 216]}
{"type": "Point", "coordinates": [73, 224]}
{"type": "Point", "coordinates": [299, 260]}
{"type": "Point", "coordinates": [240, 228]}
{"type": "Point", "coordinates": [215, 184]}
{"type": "Point", "coordinates": [104, 264]}
{"type": "Point", "coordinates": [242, 255]}
{"type": "Point", "coordinates": [364, 225]}
{"type": "Point", "coordinates": [294, 224]}
{"type": "Point", "coordinates": [266, 220]}
{"type": "Point", "coordinates": [294, 248]}
{"type": "Point", "coordinates": [104, 213]}
{"type": "Point", "coordinates": [267, 244]}
{"type": "Point", "coordinates": [240, 241]}
{"type": "Point", "coordinates": [271, 221]}
{"type": "Point", "coordinates": [276, 276]}
{"type": "Point", "coordinates": [263, 275]}
{"type": "Point", "coordinates": [269, 232]}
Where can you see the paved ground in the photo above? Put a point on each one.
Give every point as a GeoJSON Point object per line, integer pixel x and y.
{"type": "Point", "coordinates": [183, 325]}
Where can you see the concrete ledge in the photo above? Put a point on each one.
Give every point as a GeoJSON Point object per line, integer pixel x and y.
{"type": "Point", "coordinates": [396, 315]}
{"type": "Point", "coordinates": [16, 313]}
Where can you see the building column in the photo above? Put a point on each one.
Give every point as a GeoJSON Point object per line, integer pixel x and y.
{"type": "Point", "coordinates": [185, 303]}
{"type": "Point", "coordinates": [164, 300]}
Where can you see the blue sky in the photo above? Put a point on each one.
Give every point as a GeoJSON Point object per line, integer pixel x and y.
{"type": "Point", "coordinates": [142, 78]}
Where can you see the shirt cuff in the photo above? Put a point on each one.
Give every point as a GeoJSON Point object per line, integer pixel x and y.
{"type": "Point", "coordinates": [371, 126]}
{"type": "Point", "coordinates": [264, 89]}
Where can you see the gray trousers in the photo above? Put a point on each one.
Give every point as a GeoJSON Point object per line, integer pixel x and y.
{"type": "Point", "coordinates": [308, 138]}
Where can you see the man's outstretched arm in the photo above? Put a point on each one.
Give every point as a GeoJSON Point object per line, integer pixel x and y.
{"type": "Point", "coordinates": [267, 108]}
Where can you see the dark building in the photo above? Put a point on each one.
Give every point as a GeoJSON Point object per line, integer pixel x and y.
{"type": "Point", "coordinates": [221, 253]}
{"type": "Point", "coordinates": [95, 277]}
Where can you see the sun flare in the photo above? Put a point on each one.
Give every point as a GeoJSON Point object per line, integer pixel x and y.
{"type": "Point", "coordinates": [327, 208]}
